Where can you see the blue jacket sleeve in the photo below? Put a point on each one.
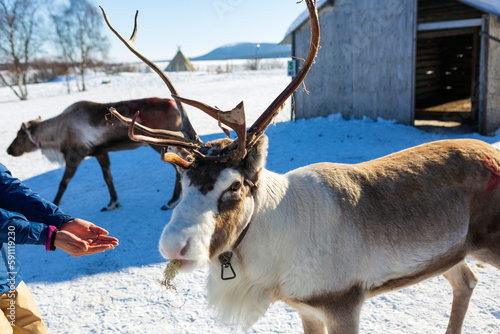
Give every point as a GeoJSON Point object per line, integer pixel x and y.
{"type": "Point", "coordinates": [16, 197]}
{"type": "Point", "coordinates": [15, 228]}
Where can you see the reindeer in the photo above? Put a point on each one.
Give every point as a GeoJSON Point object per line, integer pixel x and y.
{"type": "Point", "coordinates": [82, 130]}
{"type": "Point", "coordinates": [325, 237]}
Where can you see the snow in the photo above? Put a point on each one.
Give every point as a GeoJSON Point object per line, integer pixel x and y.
{"type": "Point", "coordinates": [118, 291]}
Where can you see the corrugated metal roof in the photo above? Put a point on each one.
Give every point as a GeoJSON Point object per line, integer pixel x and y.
{"type": "Point", "coordinates": [489, 6]}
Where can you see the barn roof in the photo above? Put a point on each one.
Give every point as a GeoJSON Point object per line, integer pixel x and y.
{"type": "Point", "coordinates": [488, 6]}
{"type": "Point", "coordinates": [301, 19]}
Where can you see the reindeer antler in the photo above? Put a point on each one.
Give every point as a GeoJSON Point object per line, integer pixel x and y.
{"type": "Point", "coordinates": [156, 136]}
{"type": "Point", "coordinates": [250, 137]}
{"type": "Point", "coordinates": [234, 119]}
{"type": "Point", "coordinates": [263, 122]}
{"type": "Point", "coordinates": [186, 126]}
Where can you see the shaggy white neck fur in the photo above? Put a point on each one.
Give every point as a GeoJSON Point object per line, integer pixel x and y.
{"type": "Point", "coordinates": [246, 298]}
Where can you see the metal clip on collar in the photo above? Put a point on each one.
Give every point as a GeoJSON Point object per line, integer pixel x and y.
{"type": "Point", "coordinates": [225, 262]}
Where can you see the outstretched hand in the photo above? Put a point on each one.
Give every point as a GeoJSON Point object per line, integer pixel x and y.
{"type": "Point", "coordinates": [80, 237]}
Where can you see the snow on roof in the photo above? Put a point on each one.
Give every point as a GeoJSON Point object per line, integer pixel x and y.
{"type": "Point", "coordinates": [489, 6]}
{"type": "Point", "coordinates": [304, 16]}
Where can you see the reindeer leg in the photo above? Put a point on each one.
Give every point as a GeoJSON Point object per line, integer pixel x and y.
{"type": "Point", "coordinates": [340, 311]}
{"type": "Point", "coordinates": [345, 322]}
{"type": "Point", "coordinates": [311, 324]}
{"type": "Point", "coordinates": [72, 163]}
{"type": "Point", "coordinates": [177, 192]}
{"type": "Point", "coordinates": [462, 281]}
{"type": "Point", "coordinates": [103, 160]}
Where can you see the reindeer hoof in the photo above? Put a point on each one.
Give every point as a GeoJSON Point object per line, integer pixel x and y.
{"type": "Point", "coordinates": [111, 206]}
{"type": "Point", "coordinates": [170, 205]}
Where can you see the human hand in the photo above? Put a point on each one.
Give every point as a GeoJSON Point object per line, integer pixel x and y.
{"type": "Point", "coordinates": [89, 232]}
{"type": "Point", "coordinates": [79, 237]}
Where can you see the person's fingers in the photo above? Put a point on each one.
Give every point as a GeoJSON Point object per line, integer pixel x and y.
{"type": "Point", "coordinates": [87, 234]}
{"type": "Point", "coordinates": [98, 249]}
{"type": "Point", "coordinates": [77, 246]}
{"type": "Point", "coordinates": [106, 239]}
{"type": "Point", "coordinates": [98, 230]}
{"type": "Point", "coordinates": [103, 243]}
{"type": "Point", "coordinates": [78, 224]}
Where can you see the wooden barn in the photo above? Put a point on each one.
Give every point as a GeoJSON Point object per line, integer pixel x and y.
{"type": "Point", "coordinates": [409, 60]}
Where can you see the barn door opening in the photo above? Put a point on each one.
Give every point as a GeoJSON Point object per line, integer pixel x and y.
{"type": "Point", "coordinates": [447, 73]}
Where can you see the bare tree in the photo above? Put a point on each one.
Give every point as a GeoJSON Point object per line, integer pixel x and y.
{"type": "Point", "coordinates": [82, 35]}
{"type": "Point", "coordinates": [20, 41]}
{"type": "Point", "coordinates": [64, 44]}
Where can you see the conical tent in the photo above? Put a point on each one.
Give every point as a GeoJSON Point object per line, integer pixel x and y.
{"type": "Point", "coordinates": [180, 64]}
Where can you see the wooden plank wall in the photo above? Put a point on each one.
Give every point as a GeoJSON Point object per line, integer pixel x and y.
{"type": "Point", "coordinates": [365, 63]}
{"type": "Point", "coordinates": [492, 117]}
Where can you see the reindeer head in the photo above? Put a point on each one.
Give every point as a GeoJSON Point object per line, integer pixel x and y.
{"type": "Point", "coordinates": [25, 140]}
{"type": "Point", "coordinates": [220, 179]}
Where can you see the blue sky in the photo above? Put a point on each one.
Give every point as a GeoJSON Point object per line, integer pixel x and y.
{"type": "Point", "coordinates": [197, 26]}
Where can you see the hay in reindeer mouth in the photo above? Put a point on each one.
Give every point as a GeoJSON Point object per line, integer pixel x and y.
{"type": "Point", "coordinates": [171, 270]}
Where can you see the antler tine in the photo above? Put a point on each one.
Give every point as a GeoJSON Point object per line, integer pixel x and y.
{"type": "Point", "coordinates": [235, 119]}
{"type": "Point", "coordinates": [174, 159]}
{"type": "Point", "coordinates": [161, 133]}
{"type": "Point", "coordinates": [156, 141]}
{"type": "Point", "coordinates": [262, 123]}
{"type": "Point", "coordinates": [186, 126]}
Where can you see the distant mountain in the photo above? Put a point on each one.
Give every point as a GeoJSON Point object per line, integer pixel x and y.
{"type": "Point", "coordinates": [248, 51]}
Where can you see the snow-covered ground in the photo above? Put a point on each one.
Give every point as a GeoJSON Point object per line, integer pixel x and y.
{"type": "Point", "coordinates": [118, 291]}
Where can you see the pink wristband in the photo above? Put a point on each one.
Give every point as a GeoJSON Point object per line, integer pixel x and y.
{"type": "Point", "coordinates": [49, 237]}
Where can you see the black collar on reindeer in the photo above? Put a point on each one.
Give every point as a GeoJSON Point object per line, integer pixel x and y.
{"type": "Point", "coordinates": [225, 258]}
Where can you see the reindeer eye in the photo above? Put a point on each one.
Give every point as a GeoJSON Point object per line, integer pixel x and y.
{"type": "Point", "coordinates": [236, 186]}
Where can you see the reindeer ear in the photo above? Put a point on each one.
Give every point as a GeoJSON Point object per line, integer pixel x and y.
{"type": "Point", "coordinates": [257, 155]}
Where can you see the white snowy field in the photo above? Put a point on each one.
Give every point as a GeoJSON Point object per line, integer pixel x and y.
{"type": "Point", "coordinates": [118, 291]}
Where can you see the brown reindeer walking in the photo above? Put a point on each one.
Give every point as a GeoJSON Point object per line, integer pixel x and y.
{"type": "Point", "coordinates": [323, 238]}
{"type": "Point", "coordinates": [83, 130]}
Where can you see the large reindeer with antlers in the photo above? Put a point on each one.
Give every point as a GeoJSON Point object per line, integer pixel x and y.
{"type": "Point", "coordinates": [325, 237]}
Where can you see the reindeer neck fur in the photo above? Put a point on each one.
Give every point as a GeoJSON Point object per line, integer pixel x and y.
{"type": "Point", "coordinates": [45, 136]}
{"type": "Point", "coordinates": [246, 298]}
{"type": "Point", "coordinates": [72, 129]}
